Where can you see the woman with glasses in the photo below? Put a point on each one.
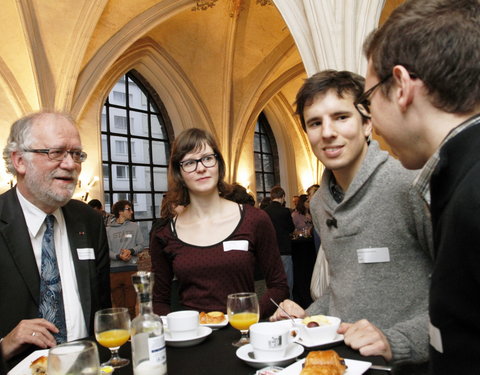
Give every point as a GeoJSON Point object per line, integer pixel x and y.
{"type": "Point", "coordinates": [213, 244]}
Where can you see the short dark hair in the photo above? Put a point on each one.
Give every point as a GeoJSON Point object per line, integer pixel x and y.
{"type": "Point", "coordinates": [343, 82]}
{"type": "Point", "coordinates": [120, 206]}
{"type": "Point", "coordinates": [95, 203]}
{"type": "Point", "coordinates": [438, 41]}
{"type": "Point", "coordinates": [277, 192]}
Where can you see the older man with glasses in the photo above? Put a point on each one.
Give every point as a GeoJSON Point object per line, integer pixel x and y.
{"type": "Point", "coordinates": [54, 256]}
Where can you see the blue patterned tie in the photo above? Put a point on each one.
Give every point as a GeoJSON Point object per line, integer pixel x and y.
{"type": "Point", "coordinates": [51, 297]}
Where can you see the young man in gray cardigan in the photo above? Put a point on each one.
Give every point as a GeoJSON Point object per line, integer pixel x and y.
{"type": "Point", "coordinates": [375, 230]}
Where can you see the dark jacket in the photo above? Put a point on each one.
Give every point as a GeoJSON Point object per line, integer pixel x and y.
{"type": "Point", "coordinates": [283, 223]}
{"type": "Point", "coordinates": [455, 281]}
{"type": "Point", "coordinates": [19, 276]}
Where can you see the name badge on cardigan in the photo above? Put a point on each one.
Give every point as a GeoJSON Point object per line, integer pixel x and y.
{"type": "Point", "coordinates": [86, 253]}
{"type": "Point", "coordinates": [373, 255]}
{"type": "Point", "coordinates": [235, 245]}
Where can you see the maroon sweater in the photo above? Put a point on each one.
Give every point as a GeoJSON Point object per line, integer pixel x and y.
{"type": "Point", "coordinates": [207, 274]}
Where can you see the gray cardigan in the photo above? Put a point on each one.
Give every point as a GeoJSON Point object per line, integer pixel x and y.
{"type": "Point", "coordinates": [380, 209]}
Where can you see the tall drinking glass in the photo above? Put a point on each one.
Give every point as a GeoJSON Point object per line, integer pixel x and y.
{"type": "Point", "coordinates": [112, 330]}
{"type": "Point", "coordinates": [243, 311]}
{"type": "Point", "coordinates": [74, 358]}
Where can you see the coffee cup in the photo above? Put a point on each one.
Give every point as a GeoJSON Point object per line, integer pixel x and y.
{"type": "Point", "coordinates": [183, 325]}
{"type": "Point", "coordinates": [270, 341]}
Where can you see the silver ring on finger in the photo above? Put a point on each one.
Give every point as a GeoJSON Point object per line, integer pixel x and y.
{"type": "Point", "coordinates": [34, 333]}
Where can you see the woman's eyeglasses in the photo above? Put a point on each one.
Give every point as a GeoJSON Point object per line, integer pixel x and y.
{"type": "Point", "coordinates": [190, 165]}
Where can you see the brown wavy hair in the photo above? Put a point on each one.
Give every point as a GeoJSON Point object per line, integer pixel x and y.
{"type": "Point", "coordinates": [190, 140]}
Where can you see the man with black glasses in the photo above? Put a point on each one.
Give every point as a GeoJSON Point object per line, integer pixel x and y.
{"type": "Point", "coordinates": [424, 97]}
{"type": "Point", "coordinates": [54, 266]}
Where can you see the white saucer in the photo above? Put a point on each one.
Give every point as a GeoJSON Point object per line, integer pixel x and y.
{"type": "Point", "coordinates": [293, 351]}
{"type": "Point", "coordinates": [203, 332]}
{"type": "Point", "coordinates": [217, 326]}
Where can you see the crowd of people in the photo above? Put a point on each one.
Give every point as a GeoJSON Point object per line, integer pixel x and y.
{"type": "Point", "coordinates": [399, 246]}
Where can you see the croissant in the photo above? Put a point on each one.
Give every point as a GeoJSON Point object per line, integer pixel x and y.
{"type": "Point", "coordinates": [322, 370]}
{"type": "Point", "coordinates": [212, 317]}
{"type": "Point", "coordinates": [326, 362]}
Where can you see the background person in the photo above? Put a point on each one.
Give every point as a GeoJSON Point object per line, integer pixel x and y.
{"type": "Point", "coordinates": [125, 241]}
{"type": "Point", "coordinates": [283, 224]}
{"type": "Point", "coordinates": [374, 229]}
{"type": "Point", "coordinates": [213, 244]}
{"type": "Point", "coordinates": [424, 97]}
{"type": "Point", "coordinates": [303, 252]}
{"type": "Point", "coordinates": [45, 154]}
{"type": "Point", "coordinates": [97, 205]}
{"type": "Point", "coordinates": [301, 218]}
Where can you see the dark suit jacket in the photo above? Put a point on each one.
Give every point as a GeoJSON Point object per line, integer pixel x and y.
{"type": "Point", "coordinates": [283, 223]}
{"type": "Point", "coordinates": [455, 281]}
{"type": "Point", "coordinates": [19, 276]}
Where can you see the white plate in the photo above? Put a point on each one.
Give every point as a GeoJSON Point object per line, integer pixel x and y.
{"type": "Point", "coordinates": [23, 368]}
{"type": "Point", "coordinates": [203, 332]}
{"type": "Point", "coordinates": [212, 326]}
{"type": "Point", "coordinates": [305, 341]}
{"type": "Point", "coordinates": [353, 367]}
{"type": "Point", "coordinates": [293, 351]}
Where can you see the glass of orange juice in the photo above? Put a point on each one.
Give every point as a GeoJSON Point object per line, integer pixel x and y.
{"type": "Point", "coordinates": [112, 330]}
{"type": "Point", "coordinates": [243, 311]}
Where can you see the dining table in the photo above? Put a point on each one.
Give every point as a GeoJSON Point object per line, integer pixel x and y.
{"type": "Point", "coordinates": [217, 356]}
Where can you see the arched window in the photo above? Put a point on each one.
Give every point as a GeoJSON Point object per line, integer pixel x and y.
{"type": "Point", "coordinates": [266, 158]}
{"type": "Point", "coordinates": [135, 148]}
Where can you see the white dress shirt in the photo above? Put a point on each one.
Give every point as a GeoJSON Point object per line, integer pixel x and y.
{"type": "Point", "coordinates": [35, 218]}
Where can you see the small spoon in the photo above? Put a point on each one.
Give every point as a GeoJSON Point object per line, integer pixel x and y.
{"type": "Point", "coordinates": [281, 308]}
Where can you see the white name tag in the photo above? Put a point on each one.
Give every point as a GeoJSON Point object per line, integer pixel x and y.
{"type": "Point", "coordinates": [86, 253]}
{"type": "Point", "coordinates": [128, 235]}
{"type": "Point", "coordinates": [235, 245]}
{"type": "Point", "coordinates": [373, 255]}
{"type": "Point", "coordinates": [435, 337]}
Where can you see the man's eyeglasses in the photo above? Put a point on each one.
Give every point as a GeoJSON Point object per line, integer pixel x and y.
{"type": "Point", "coordinates": [59, 154]}
{"type": "Point", "coordinates": [190, 165]}
{"type": "Point", "coordinates": [363, 102]}
{"type": "Point", "coordinates": [128, 209]}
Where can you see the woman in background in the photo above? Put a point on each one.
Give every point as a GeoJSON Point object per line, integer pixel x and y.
{"type": "Point", "coordinates": [212, 245]}
{"type": "Point", "coordinates": [301, 218]}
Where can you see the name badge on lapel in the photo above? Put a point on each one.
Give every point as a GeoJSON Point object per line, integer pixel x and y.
{"type": "Point", "coordinates": [86, 253]}
{"type": "Point", "coordinates": [235, 245]}
{"type": "Point", "coordinates": [373, 255]}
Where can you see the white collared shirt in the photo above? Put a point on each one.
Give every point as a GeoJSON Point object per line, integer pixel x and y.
{"type": "Point", "coordinates": [35, 218]}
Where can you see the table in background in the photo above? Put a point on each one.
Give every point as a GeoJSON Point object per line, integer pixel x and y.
{"type": "Point", "coordinates": [216, 356]}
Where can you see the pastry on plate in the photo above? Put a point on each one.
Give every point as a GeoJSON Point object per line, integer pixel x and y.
{"type": "Point", "coordinates": [325, 362]}
{"type": "Point", "coordinates": [212, 317]}
{"type": "Point", "coordinates": [39, 366]}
